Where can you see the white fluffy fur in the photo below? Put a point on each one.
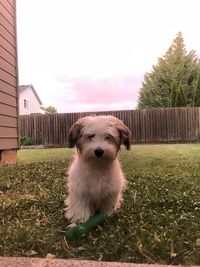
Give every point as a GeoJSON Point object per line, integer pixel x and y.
{"type": "Point", "coordinates": [95, 183]}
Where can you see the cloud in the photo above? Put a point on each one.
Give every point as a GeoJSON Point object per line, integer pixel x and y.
{"type": "Point", "coordinates": [116, 92]}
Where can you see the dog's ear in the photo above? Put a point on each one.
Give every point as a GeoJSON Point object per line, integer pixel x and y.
{"type": "Point", "coordinates": [75, 132]}
{"type": "Point", "coordinates": [125, 134]}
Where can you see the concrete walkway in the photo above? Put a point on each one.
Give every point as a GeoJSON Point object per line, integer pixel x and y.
{"type": "Point", "coordinates": [37, 262]}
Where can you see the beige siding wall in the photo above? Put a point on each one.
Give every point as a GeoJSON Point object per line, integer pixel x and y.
{"type": "Point", "coordinates": [8, 76]}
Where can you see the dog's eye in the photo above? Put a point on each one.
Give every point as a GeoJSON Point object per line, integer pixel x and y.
{"type": "Point", "coordinates": [91, 136]}
{"type": "Point", "coordinates": [108, 137]}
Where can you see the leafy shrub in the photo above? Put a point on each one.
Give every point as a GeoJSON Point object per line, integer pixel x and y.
{"type": "Point", "coordinates": [26, 141]}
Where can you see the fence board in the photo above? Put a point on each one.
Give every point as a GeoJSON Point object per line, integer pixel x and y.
{"type": "Point", "coordinates": [167, 125]}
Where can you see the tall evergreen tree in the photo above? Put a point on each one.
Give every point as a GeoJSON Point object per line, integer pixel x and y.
{"type": "Point", "coordinates": [196, 90]}
{"type": "Point", "coordinates": [174, 80]}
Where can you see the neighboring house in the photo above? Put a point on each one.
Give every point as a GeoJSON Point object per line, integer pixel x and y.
{"type": "Point", "coordinates": [29, 101]}
{"type": "Point", "coordinates": [9, 131]}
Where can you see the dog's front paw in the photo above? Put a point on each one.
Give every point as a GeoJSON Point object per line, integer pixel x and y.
{"type": "Point", "coordinates": [110, 204]}
{"type": "Point", "coordinates": [75, 216]}
{"type": "Point", "coordinates": [76, 213]}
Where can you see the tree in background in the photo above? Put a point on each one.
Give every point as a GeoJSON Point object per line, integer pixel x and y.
{"type": "Point", "coordinates": [174, 81]}
{"type": "Point", "coordinates": [196, 91]}
{"type": "Point", "coordinates": [49, 109]}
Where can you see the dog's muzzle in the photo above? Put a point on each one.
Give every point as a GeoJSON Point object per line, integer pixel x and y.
{"type": "Point", "coordinates": [99, 152]}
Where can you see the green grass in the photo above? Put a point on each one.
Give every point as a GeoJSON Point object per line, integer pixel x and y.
{"type": "Point", "coordinates": [159, 221]}
{"type": "Point", "coordinates": [26, 156]}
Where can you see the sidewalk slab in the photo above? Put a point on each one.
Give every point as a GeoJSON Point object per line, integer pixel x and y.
{"type": "Point", "coordinates": [40, 262]}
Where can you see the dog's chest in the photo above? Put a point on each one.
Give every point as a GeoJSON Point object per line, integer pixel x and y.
{"type": "Point", "coordinates": [98, 183]}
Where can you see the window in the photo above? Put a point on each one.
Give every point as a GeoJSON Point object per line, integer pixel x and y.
{"type": "Point", "coordinates": [26, 103]}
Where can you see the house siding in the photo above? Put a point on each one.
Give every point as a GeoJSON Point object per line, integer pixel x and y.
{"type": "Point", "coordinates": [8, 77]}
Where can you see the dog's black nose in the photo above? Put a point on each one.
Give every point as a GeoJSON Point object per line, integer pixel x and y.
{"type": "Point", "coordinates": [99, 152]}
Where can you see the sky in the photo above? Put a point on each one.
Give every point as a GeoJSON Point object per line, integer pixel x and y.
{"type": "Point", "coordinates": [90, 55]}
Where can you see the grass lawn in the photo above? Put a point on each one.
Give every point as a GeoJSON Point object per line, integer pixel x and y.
{"type": "Point", "coordinates": [159, 221]}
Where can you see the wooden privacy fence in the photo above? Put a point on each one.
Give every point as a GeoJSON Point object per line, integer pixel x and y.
{"type": "Point", "coordinates": [164, 125]}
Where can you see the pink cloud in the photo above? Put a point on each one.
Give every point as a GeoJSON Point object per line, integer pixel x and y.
{"type": "Point", "coordinates": [104, 91]}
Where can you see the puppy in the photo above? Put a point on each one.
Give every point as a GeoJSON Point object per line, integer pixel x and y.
{"type": "Point", "coordinates": [95, 178]}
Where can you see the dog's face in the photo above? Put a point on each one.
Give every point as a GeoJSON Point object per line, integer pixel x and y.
{"type": "Point", "coordinates": [99, 137]}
